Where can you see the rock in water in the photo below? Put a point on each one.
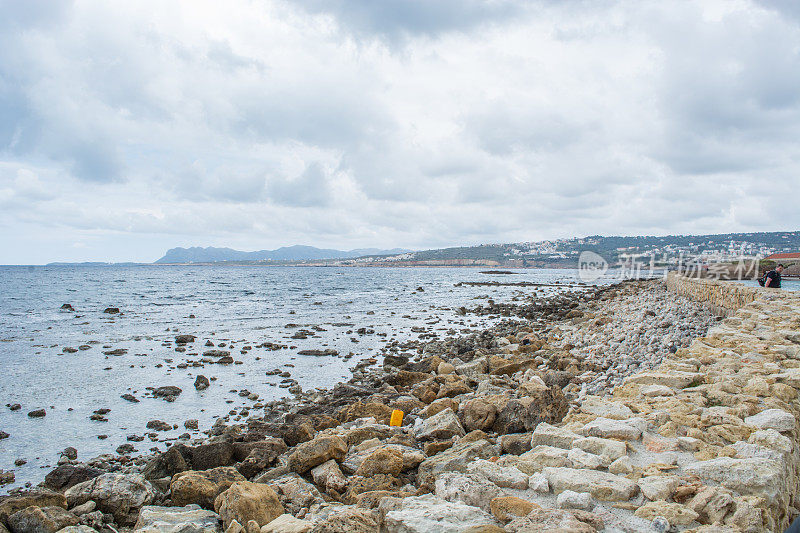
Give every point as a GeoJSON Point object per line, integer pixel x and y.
{"type": "Point", "coordinates": [184, 339]}
{"type": "Point", "coordinates": [201, 382]}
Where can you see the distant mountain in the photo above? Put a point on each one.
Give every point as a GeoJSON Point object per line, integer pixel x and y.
{"type": "Point", "coordinates": [287, 253]}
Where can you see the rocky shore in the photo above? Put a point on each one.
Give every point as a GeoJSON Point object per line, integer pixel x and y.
{"type": "Point", "coordinates": [615, 409]}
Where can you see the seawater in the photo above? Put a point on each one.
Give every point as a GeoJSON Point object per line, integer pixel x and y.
{"type": "Point", "coordinates": [243, 305]}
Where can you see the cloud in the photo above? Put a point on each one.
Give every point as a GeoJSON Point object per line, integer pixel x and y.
{"type": "Point", "coordinates": [397, 123]}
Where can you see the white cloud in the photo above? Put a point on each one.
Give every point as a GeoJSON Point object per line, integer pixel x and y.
{"type": "Point", "coordinates": [131, 127]}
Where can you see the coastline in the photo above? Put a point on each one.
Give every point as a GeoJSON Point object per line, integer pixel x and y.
{"type": "Point", "coordinates": [496, 424]}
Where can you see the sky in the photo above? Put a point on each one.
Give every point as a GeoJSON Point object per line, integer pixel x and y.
{"type": "Point", "coordinates": [127, 128]}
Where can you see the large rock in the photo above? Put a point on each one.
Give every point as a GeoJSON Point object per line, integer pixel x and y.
{"type": "Point", "coordinates": [542, 456]}
{"type": "Point", "coordinates": [430, 514]}
{"type": "Point", "coordinates": [328, 476]}
{"type": "Point", "coordinates": [155, 519]}
{"type": "Point", "coordinates": [524, 414]}
{"type": "Point", "coordinates": [202, 487]}
{"type": "Point", "coordinates": [412, 457]}
{"type": "Point", "coordinates": [601, 485]}
{"type": "Point", "coordinates": [295, 493]}
{"type": "Point", "coordinates": [442, 425]}
{"type": "Point", "coordinates": [260, 455]}
{"type": "Point", "coordinates": [315, 452]}
{"type": "Point", "coordinates": [381, 461]}
{"type": "Point", "coordinates": [454, 459]}
{"type": "Point", "coordinates": [548, 435]}
{"type": "Point", "coordinates": [244, 501]}
{"type": "Point", "coordinates": [36, 497]}
{"type": "Point", "coordinates": [757, 476]}
{"type": "Point", "coordinates": [776, 419]}
{"type": "Point", "coordinates": [351, 520]}
{"type": "Point", "coordinates": [65, 476]}
{"type": "Point", "coordinates": [630, 429]}
{"type": "Point", "coordinates": [467, 488]}
{"type": "Point", "coordinates": [674, 379]}
{"type": "Point", "coordinates": [555, 520]}
{"type": "Point", "coordinates": [658, 487]}
{"type": "Point", "coordinates": [594, 405]}
{"type": "Point", "coordinates": [122, 495]}
{"type": "Point", "coordinates": [41, 520]}
{"type": "Point", "coordinates": [506, 508]}
{"type": "Point", "coordinates": [168, 464]}
{"type": "Point", "coordinates": [609, 450]}
{"type": "Point", "coordinates": [478, 414]}
{"type": "Point", "coordinates": [502, 476]}
{"type": "Point", "coordinates": [207, 456]}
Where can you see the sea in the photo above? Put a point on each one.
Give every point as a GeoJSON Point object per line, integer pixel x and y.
{"type": "Point", "coordinates": [63, 360]}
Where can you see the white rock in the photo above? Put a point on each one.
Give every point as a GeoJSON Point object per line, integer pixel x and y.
{"type": "Point", "coordinates": [542, 456]}
{"type": "Point", "coordinates": [594, 405]}
{"type": "Point", "coordinates": [286, 523]}
{"type": "Point", "coordinates": [745, 450]}
{"type": "Point", "coordinates": [502, 476]}
{"type": "Point", "coordinates": [470, 489]}
{"type": "Point", "coordinates": [673, 379]}
{"type": "Point", "coordinates": [748, 476]}
{"type": "Point", "coordinates": [155, 519]}
{"type": "Point", "coordinates": [630, 429]}
{"type": "Point", "coordinates": [770, 438]}
{"type": "Point", "coordinates": [658, 487]}
{"type": "Point", "coordinates": [656, 390]}
{"type": "Point", "coordinates": [328, 475]}
{"type": "Point", "coordinates": [776, 419]}
{"type": "Point", "coordinates": [430, 514]}
{"type": "Point", "coordinates": [601, 485]}
{"type": "Point", "coordinates": [582, 459]}
{"type": "Point", "coordinates": [548, 435]}
{"type": "Point", "coordinates": [608, 449]}
{"type": "Point", "coordinates": [575, 500]}
{"type": "Point", "coordinates": [621, 466]}
{"type": "Point", "coordinates": [538, 483]}
{"type": "Point", "coordinates": [442, 425]}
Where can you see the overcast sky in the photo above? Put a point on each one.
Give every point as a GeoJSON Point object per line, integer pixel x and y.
{"type": "Point", "coordinates": [127, 128]}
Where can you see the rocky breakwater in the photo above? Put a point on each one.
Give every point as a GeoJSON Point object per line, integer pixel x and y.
{"type": "Point", "coordinates": [490, 443]}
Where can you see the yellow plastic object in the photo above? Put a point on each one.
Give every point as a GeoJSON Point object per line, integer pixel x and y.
{"type": "Point", "coordinates": [397, 418]}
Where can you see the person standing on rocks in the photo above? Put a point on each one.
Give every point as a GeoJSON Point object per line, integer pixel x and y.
{"type": "Point", "coordinates": [772, 278]}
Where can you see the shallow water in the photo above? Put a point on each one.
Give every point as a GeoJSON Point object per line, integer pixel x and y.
{"type": "Point", "coordinates": [239, 305]}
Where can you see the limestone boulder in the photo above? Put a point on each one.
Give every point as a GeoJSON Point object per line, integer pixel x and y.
{"type": "Point", "coordinates": [315, 452]}
{"type": "Point", "coordinates": [658, 487]}
{"type": "Point", "coordinates": [506, 508]}
{"type": "Point", "coordinates": [430, 514]}
{"type": "Point", "coordinates": [675, 513]}
{"type": "Point", "coordinates": [36, 498]}
{"type": "Point", "coordinates": [477, 413]}
{"type": "Point", "coordinates": [244, 501]}
{"type": "Point", "coordinates": [454, 459]}
{"type": "Point", "coordinates": [442, 425]}
{"type": "Point", "coordinates": [548, 435]}
{"type": "Point", "coordinates": [381, 461]}
{"type": "Point", "coordinates": [41, 520]}
{"type": "Point", "coordinates": [601, 485]}
{"type": "Point", "coordinates": [757, 476]}
{"type": "Point", "coordinates": [155, 519]}
{"type": "Point", "coordinates": [121, 495]}
{"type": "Point", "coordinates": [202, 487]}
{"type": "Point", "coordinates": [630, 429]}
{"type": "Point", "coordinates": [350, 520]}
{"type": "Point", "coordinates": [286, 523]}
{"type": "Point", "coordinates": [470, 489]}
{"type": "Point", "coordinates": [502, 476]}
{"type": "Point", "coordinates": [776, 419]}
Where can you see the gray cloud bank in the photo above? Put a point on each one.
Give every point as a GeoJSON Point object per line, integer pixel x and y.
{"type": "Point", "coordinates": [129, 128]}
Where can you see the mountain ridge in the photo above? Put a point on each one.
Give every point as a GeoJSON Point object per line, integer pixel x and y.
{"type": "Point", "coordinates": [210, 254]}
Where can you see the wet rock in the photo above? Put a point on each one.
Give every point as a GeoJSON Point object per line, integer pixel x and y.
{"type": "Point", "coordinates": [37, 413]}
{"type": "Point", "coordinates": [122, 495]}
{"type": "Point", "coordinates": [201, 382]}
{"type": "Point", "coordinates": [184, 339]}
{"type": "Point", "coordinates": [169, 392]}
{"type": "Point", "coordinates": [260, 455]}
{"type": "Point", "coordinates": [202, 487]}
{"type": "Point", "coordinates": [111, 310]}
{"type": "Point", "coordinates": [212, 455]}
{"type": "Point", "coordinates": [67, 307]}
{"type": "Point", "coordinates": [36, 498]}
{"type": "Point", "coordinates": [310, 454]}
{"type": "Point", "coordinates": [191, 518]}
{"type": "Point", "coordinates": [67, 475]}
{"type": "Point", "coordinates": [130, 397]}
{"type": "Point", "coordinates": [167, 464]}
{"type": "Point", "coordinates": [159, 425]}
{"type": "Point", "coordinates": [244, 501]}
{"type": "Point", "coordinates": [41, 520]}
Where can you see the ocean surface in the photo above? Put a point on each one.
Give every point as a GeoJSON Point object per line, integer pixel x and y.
{"type": "Point", "coordinates": [230, 305]}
